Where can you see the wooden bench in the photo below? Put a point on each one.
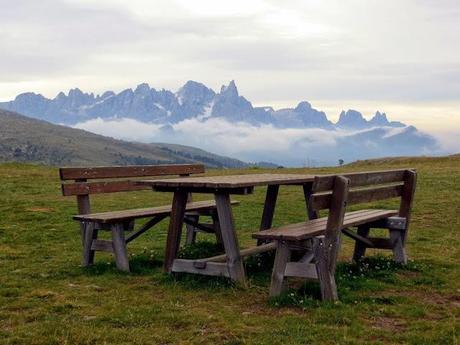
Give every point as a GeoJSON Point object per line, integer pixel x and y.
{"type": "Point", "coordinates": [118, 179]}
{"type": "Point", "coordinates": [318, 240]}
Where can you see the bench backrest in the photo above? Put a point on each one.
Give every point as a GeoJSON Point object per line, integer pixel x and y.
{"type": "Point", "coordinates": [335, 192]}
{"type": "Point", "coordinates": [118, 179]}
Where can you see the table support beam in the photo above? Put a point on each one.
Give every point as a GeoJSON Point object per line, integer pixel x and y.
{"type": "Point", "coordinates": [230, 241]}
{"type": "Point", "coordinates": [179, 205]}
{"type": "Point", "coordinates": [269, 207]}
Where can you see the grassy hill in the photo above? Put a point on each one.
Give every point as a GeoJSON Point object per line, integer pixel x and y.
{"type": "Point", "coordinates": [47, 298]}
{"type": "Point", "coordinates": [23, 139]}
{"type": "Point", "coordinates": [452, 159]}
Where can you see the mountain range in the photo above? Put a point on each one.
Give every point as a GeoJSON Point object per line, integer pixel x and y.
{"type": "Point", "coordinates": [227, 123]}
{"type": "Point", "coordinates": [193, 100]}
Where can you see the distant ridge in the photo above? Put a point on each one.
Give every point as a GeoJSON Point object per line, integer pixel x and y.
{"type": "Point", "coordinates": [23, 139]}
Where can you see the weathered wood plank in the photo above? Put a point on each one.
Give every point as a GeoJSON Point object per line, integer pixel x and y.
{"type": "Point", "coordinates": [193, 222]}
{"type": "Point", "coordinates": [85, 188]}
{"type": "Point", "coordinates": [282, 257]}
{"type": "Point", "coordinates": [243, 252]}
{"type": "Point", "coordinates": [190, 234]}
{"type": "Point", "coordinates": [399, 252]}
{"type": "Point", "coordinates": [309, 229]}
{"type": "Point", "coordinates": [360, 239]}
{"type": "Point", "coordinates": [269, 207]}
{"type": "Point", "coordinates": [301, 270]}
{"type": "Point", "coordinates": [360, 248]}
{"type": "Point", "coordinates": [84, 207]}
{"type": "Point", "coordinates": [118, 216]}
{"type": "Point", "coordinates": [90, 233]}
{"type": "Point", "coordinates": [229, 238]}
{"type": "Point", "coordinates": [216, 224]}
{"type": "Point", "coordinates": [335, 219]}
{"type": "Point", "coordinates": [322, 201]}
{"type": "Point", "coordinates": [175, 228]}
{"type": "Point", "coordinates": [207, 268]}
{"type": "Point", "coordinates": [325, 183]}
{"type": "Point", "coordinates": [407, 200]}
{"type": "Point", "coordinates": [151, 223]}
{"type": "Point", "coordinates": [230, 181]}
{"type": "Point", "coordinates": [325, 275]}
{"type": "Point", "coordinates": [130, 171]}
{"type": "Point", "coordinates": [119, 247]}
{"type": "Point", "coordinates": [307, 192]}
{"type": "Point", "coordinates": [236, 190]}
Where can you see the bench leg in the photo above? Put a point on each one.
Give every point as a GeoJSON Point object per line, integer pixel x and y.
{"type": "Point", "coordinates": [323, 268]}
{"type": "Point", "coordinates": [119, 247]}
{"type": "Point", "coordinates": [399, 252]}
{"type": "Point", "coordinates": [190, 235]}
{"type": "Point", "coordinates": [89, 235]}
{"type": "Point", "coordinates": [360, 248]}
{"type": "Point", "coordinates": [282, 257]}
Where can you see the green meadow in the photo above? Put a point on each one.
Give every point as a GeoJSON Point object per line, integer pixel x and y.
{"type": "Point", "coordinates": [46, 297]}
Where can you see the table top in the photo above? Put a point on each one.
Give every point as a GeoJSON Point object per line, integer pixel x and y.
{"type": "Point", "coordinates": [230, 181]}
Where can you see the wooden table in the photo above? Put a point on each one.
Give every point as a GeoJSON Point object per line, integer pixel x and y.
{"type": "Point", "coordinates": [229, 264]}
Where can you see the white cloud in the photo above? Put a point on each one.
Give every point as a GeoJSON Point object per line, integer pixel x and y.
{"type": "Point", "coordinates": [125, 129]}
{"type": "Point", "coordinates": [291, 147]}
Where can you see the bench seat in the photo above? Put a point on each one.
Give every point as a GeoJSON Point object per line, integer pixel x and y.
{"type": "Point", "coordinates": [317, 227]}
{"type": "Point", "coordinates": [119, 216]}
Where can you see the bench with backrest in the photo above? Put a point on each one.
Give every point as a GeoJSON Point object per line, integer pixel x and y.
{"type": "Point", "coordinates": [319, 239]}
{"type": "Point", "coordinates": [82, 182]}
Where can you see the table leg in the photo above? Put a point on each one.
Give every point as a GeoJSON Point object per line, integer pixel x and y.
{"type": "Point", "coordinates": [307, 192]}
{"type": "Point", "coordinates": [269, 207]}
{"type": "Point", "coordinates": [176, 222]}
{"type": "Point", "coordinates": [230, 241]}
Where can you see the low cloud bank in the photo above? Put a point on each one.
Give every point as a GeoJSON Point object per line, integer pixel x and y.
{"type": "Point", "coordinates": [289, 147]}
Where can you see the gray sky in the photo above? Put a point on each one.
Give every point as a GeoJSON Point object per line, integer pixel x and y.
{"type": "Point", "coordinates": [399, 56]}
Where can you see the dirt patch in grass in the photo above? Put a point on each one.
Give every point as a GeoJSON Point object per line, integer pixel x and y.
{"type": "Point", "coordinates": [388, 324]}
{"type": "Point", "coordinates": [429, 297]}
{"type": "Point", "coordinates": [40, 209]}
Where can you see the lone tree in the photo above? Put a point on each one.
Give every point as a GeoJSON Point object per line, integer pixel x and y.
{"type": "Point", "coordinates": [341, 161]}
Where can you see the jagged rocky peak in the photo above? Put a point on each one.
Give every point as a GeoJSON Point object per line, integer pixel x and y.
{"type": "Point", "coordinates": [379, 119]}
{"type": "Point", "coordinates": [76, 97]}
{"type": "Point", "coordinates": [351, 119]}
{"type": "Point", "coordinates": [228, 103]}
{"type": "Point", "coordinates": [29, 95]}
{"type": "Point", "coordinates": [194, 92]}
{"type": "Point", "coordinates": [230, 90]}
{"type": "Point", "coordinates": [61, 95]}
{"type": "Point", "coordinates": [107, 94]}
{"type": "Point", "coordinates": [126, 92]}
{"type": "Point", "coordinates": [77, 93]}
{"type": "Point", "coordinates": [303, 106]}
{"type": "Point", "coordinates": [304, 115]}
{"type": "Point", "coordinates": [143, 88]}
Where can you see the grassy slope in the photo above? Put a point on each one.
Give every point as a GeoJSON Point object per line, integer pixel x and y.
{"type": "Point", "coordinates": [29, 140]}
{"type": "Point", "coordinates": [46, 298]}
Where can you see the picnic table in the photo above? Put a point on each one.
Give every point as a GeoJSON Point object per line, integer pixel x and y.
{"type": "Point", "coordinates": [229, 264]}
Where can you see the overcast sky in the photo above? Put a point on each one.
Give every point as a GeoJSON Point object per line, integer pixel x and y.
{"type": "Point", "coordinates": [398, 56]}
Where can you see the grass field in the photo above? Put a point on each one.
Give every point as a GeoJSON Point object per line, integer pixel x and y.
{"type": "Point", "coordinates": [47, 298]}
